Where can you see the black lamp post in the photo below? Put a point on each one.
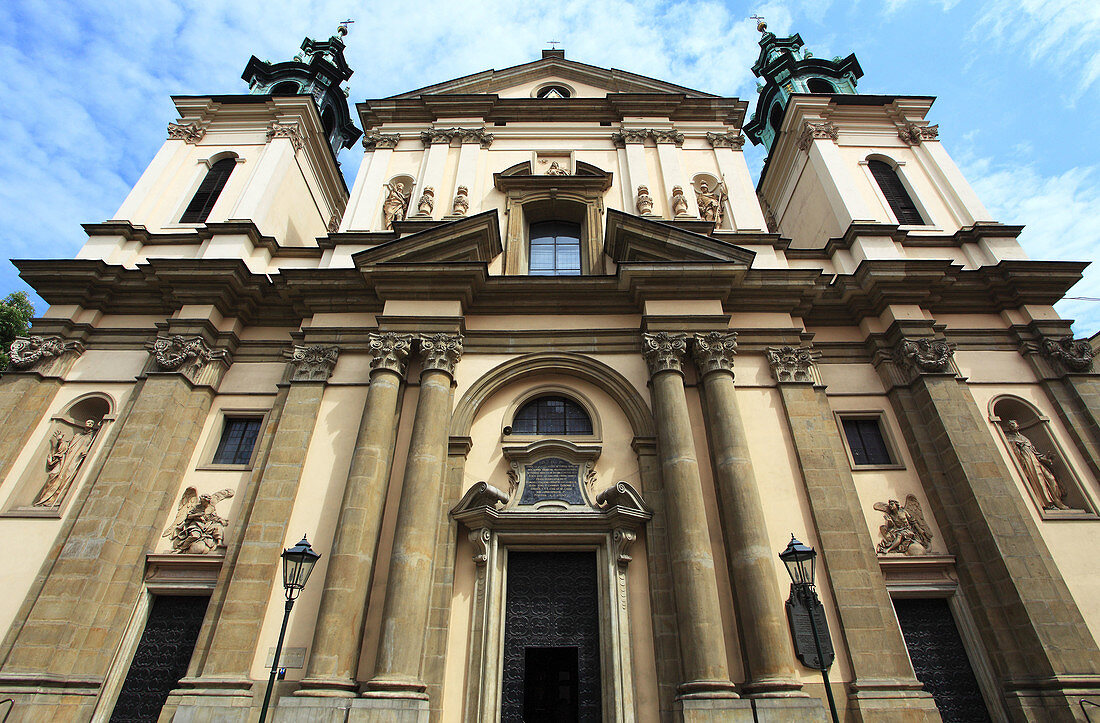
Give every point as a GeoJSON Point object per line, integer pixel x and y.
{"type": "Point", "coordinates": [298, 562]}
{"type": "Point", "coordinates": [800, 561]}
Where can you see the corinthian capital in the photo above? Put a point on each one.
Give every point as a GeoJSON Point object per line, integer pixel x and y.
{"type": "Point", "coordinates": [441, 351]}
{"type": "Point", "coordinates": [313, 363]}
{"type": "Point", "coordinates": [375, 140]}
{"type": "Point", "coordinates": [668, 136]}
{"type": "Point", "coordinates": [290, 131]}
{"type": "Point", "coordinates": [729, 139]}
{"type": "Point", "coordinates": [664, 351]}
{"type": "Point", "coordinates": [390, 350]}
{"type": "Point", "coordinates": [714, 351]}
{"type": "Point", "coordinates": [187, 132]}
{"type": "Point", "coordinates": [630, 135]}
{"type": "Point", "coordinates": [810, 131]}
{"type": "Point", "coordinates": [793, 363]}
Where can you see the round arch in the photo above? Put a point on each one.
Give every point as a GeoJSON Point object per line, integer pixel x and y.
{"type": "Point", "coordinates": [577, 365]}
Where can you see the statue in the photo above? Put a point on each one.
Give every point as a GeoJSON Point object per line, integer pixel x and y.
{"type": "Point", "coordinates": [63, 461]}
{"type": "Point", "coordinates": [679, 203]}
{"type": "Point", "coordinates": [462, 201]}
{"type": "Point", "coordinates": [556, 170]}
{"type": "Point", "coordinates": [395, 205]}
{"type": "Point", "coordinates": [645, 201]}
{"type": "Point", "coordinates": [905, 531]}
{"type": "Point", "coordinates": [427, 202]}
{"type": "Point", "coordinates": [198, 528]}
{"type": "Point", "coordinates": [1037, 468]}
{"type": "Point", "coordinates": [710, 202]}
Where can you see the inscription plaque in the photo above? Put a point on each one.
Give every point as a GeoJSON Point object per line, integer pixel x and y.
{"type": "Point", "coordinates": [798, 615]}
{"type": "Point", "coordinates": [552, 479]}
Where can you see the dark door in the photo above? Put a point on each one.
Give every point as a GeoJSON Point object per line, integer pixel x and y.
{"type": "Point", "coordinates": [161, 657]}
{"type": "Point", "coordinates": [940, 660]}
{"type": "Point", "coordinates": [551, 639]}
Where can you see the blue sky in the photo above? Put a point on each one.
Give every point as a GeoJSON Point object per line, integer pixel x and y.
{"type": "Point", "coordinates": [88, 87]}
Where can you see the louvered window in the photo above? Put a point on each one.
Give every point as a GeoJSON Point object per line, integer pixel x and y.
{"type": "Point", "coordinates": [896, 195]}
{"type": "Point", "coordinates": [209, 190]}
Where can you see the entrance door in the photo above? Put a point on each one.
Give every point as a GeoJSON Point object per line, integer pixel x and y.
{"type": "Point", "coordinates": [551, 638]}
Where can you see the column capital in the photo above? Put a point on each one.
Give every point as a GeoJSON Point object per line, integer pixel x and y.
{"type": "Point", "coordinates": [188, 355]}
{"type": "Point", "coordinates": [313, 362]}
{"type": "Point", "coordinates": [912, 134]}
{"type": "Point", "coordinates": [1074, 355]}
{"type": "Point", "coordinates": [729, 139]}
{"type": "Point", "coordinates": [926, 355]}
{"type": "Point", "coordinates": [27, 352]}
{"type": "Point", "coordinates": [714, 351]}
{"type": "Point", "coordinates": [291, 131]}
{"type": "Point", "coordinates": [375, 140]}
{"type": "Point", "coordinates": [190, 133]}
{"type": "Point", "coordinates": [811, 131]}
{"type": "Point", "coordinates": [630, 135]}
{"type": "Point", "coordinates": [667, 136]}
{"type": "Point", "coordinates": [474, 135]}
{"type": "Point", "coordinates": [664, 351]}
{"type": "Point", "coordinates": [441, 351]}
{"type": "Point", "coordinates": [437, 135]}
{"type": "Point", "coordinates": [390, 350]}
{"type": "Point", "coordinates": [793, 363]}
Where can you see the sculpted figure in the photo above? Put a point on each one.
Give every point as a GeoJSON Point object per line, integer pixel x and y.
{"type": "Point", "coordinates": [198, 528]}
{"type": "Point", "coordinates": [679, 203]}
{"type": "Point", "coordinates": [63, 460]}
{"type": "Point", "coordinates": [903, 528]}
{"type": "Point", "coordinates": [645, 201]}
{"type": "Point", "coordinates": [710, 202]}
{"type": "Point", "coordinates": [395, 205]}
{"type": "Point", "coordinates": [1037, 470]}
{"type": "Point", "coordinates": [556, 170]}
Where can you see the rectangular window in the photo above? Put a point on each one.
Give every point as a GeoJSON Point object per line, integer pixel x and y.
{"type": "Point", "coordinates": [866, 441]}
{"type": "Point", "coordinates": [238, 440]}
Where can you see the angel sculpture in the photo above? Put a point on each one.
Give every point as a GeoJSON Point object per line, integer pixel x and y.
{"type": "Point", "coordinates": [556, 170]}
{"type": "Point", "coordinates": [396, 204]}
{"type": "Point", "coordinates": [905, 527]}
{"type": "Point", "coordinates": [198, 528]}
{"type": "Point", "coordinates": [710, 202]}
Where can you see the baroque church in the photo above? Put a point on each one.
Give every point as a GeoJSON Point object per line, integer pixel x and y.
{"type": "Point", "coordinates": [549, 390]}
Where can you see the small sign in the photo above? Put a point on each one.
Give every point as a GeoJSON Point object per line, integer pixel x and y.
{"type": "Point", "coordinates": [798, 615]}
{"type": "Point", "coordinates": [552, 479]}
{"type": "Point", "coordinates": [290, 658]}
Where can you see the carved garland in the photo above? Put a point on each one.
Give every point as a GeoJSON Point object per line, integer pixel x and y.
{"type": "Point", "coordinates": [26, 351]}
{"type": "Point", "coordinates": [1074, 354]}
{"type": "Point", "coordinates": [172, 353]}
{"type": "Point", "coordinates": [812, 131]}
{"type": "Point", "coordinates": [187, 132]}
{"type": "Point", "coordinates": [924, 356]}
{"type": "Point", "coordinates": [664, 351]}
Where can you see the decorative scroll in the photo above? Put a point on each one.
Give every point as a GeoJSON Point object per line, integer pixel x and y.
{"type": "Point", "coordinates": [313, 363]}
{"type": "Point", "coordinates": [1074, 354]}
{"type": "Point", "coordinates": [441, 351]}
{"type": "Point", "coordinates": [811, 131]}
{"type": "Point", "coordinates": [290, 131]}
{"type": "Point", "coordinates": [375, 140]}
{"type": "Point", "coordinates": [793, 363]}
{"type": "Point", "coordinates": [664, 351]}
{"type": "Point", "coordinates": [729, 139]}
{"type": "Point", "coordinates": [190, 133]}
{"type": "Point", "coordinates": [714, 351]}
{"type": "Point", "coordinates": [912, 134]}
{"type": "Point", "coordinates": [924, 356]}
{"type": "Point", "coordinates": [481, 538]}
{"type": "Point", "coordinates": [904, 530]}
{"type": "Point", "coordinates": [27, 351]}
{"type": "Point", "coordinates": [390, 350]}
{"type": "Point", "coordinates": [198, 528]}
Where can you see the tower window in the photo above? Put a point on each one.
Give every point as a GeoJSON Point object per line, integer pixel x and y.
{"type": "Point", "coordinates": [328, 120]}
{"type": "Point", "coordinates": [775, 117]}
{"type": "Point", "coordinates": [896, 195]}
{"type": "Point", "coordinates": [551, 415]}
{"type": "Point", "coordinates": [555, 249]}
{"type": "Point", "coordinates": [820, 85]}
{"type": "Point", "coordinates": [287, 87]}
{"type": "Point", "coordinates": [209, 190]}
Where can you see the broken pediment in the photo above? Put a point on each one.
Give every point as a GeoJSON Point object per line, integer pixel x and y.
{"type": "Point", "coordinates": [472, 239]}
{"type": "Point", "coordinates": [631, 238]}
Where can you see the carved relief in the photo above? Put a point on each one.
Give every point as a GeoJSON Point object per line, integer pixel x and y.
{"type": "Point", "coordinates": [679, 203]}
{"type": "Point", "coordinates": [390, 350]}
{"type": "Point", "coordinates": [333, 224]}
{"type": "Point", "coordinates": [185, 354]}
{"type": "Point", "coordinates": [623, 539]}
{"type": "Point", "coordinates": [714, 351]}
{"type": "Point", "coordinates": [313, 363]}
{"type": "Point", "coordinates": [668, 136]}
{"type": "Point", "coordinates": [793, 363]}
{"type": "Point", "coordinates": [374, 140]}
{"type": "Point", "coordinates": [427, 202]}
{"type": "Point", "coordinates": [664, 351]}
{"type": "Point", "coordinates": [441, 351]}
{"type": "Point", "coordinates": [913, 134]}
{"type": "Point", "coordinates": [711, 202]}
{"type": "Point", "coordinates": [556, 170]}
{"type": "Point", "coordinates": [464, 135]}
{"type": "Point", "coordinates": [27, 351]}
{"type": "Point", "coordinates": [436, 135]}
{"type": "Point", "coordinates": [645, 201]}
{"type": "Point", "coordinates": [462, 201]}
{"type": "Point", "coordinates": [927, 355]}
{"type": "Point", "coordinates": [1038, 468]}
{"type": "Point", "coordinates": [64, 458]}
{"type": "Point", "coordinates": [810, 131]}
{"type": "Point", "coordinates": [187, 132]}
{"type": "Point", "coordinates": [904, 530]}
{"type": "Point", "coordinates": [729, 139]}
{"type": "Point", "coordinates": [1074, 354]}
{"type": "Point", "coordinates": [396, 204]}
{"type": "Point", "coordinates": [198, 528]}
{"type": "Point", "coordinates": [290, 131]}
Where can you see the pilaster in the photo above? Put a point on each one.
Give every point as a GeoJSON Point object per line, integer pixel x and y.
{"type": "Point", "coordinates": [363, 213]}
{"type": "Point", "coordinates": [744, 206]}
{"type": "Point", "coordinates": [637, 172]}
{"type": "Point", "coordinates": [668, 149]}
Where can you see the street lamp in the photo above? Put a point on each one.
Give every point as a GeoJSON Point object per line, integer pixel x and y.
{"type": "Point", "coordinates": [800, 562]}
{"type": "Point", "coordinates": [298, 562]}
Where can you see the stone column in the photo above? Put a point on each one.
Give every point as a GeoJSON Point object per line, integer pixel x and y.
{"type": "Point", "coordinates": [769, 659]}
{"type": "Point", "coordinates": [884, 683]}
{"type": "Point", "coordinates": [397, 688]}
{"type": "Point", "coordinates": [705, 670]}
{"type": "Point", "coordinates": [337, 637]}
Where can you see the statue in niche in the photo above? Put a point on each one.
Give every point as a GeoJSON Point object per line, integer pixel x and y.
{"type": "Point", "coordinates": [63, 461]}
{"type": "Point", "coordinates": [710, 202]}
{"type": "Point", "coordinates": [645, 201]}
{"type": "Point", "coordinates": [905, 530]}
{"type": "Point", "coordinates": [556, 170]}
{"type": "Point", "coordinates": [679, 203]}
{"type": "Point", "coordinates": [1037, 468]}
{"type": "Point", "coordinates": [198, 528]}
{"type": "Point", "coordinates": [395, 205]}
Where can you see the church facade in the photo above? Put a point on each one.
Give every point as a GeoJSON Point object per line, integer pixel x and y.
{"type": "Point", "coordinates": [549, 389]}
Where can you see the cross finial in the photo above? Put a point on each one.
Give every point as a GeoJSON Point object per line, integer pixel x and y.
{"type": "Point", "coordinates": [760, 24]}
{"type": "Point", "coordinates": [553, 44]}
{"type": "Point", "coordinates": [342, 28]}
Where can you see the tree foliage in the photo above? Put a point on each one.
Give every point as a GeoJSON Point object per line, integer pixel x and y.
{"type": "Point", "coordinates": [16, 312]}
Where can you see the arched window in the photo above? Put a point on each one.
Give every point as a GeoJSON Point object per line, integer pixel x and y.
{"type": "Point", "coordinates": [555, 249]}
{"type": "Point", "coordinates": [896, 195]}
{"type": "Point", "coordinates": [209, 190]}
{"type": "Point", "coordinates": [287, 87]}
{"type": "Point", "coordinates": [820, 85]}
{"type": "Point", "coordinates": [551, 415]}
{"type": "Point", "coordinates": [328, 120]}
{"type": "Point", "coordinates": [775, 117]}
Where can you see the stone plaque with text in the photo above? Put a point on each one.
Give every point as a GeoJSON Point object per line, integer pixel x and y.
{"type": "Point", "coordinates": [552, 479]}
{"type": "Point", "coordinates": [798, 615]}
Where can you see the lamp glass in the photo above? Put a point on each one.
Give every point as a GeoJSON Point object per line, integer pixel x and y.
{"type": "Point", "coordinates": [800, 561]}
{"type": "Point", "coordinates": [298, 562]}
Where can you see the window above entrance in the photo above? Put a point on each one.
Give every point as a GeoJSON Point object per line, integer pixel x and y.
{"type": "Point", "coordinates": [551, 415]}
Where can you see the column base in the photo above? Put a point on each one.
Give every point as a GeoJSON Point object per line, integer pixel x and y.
{"type": "Point", "coordinates": [790, 710]}
{"type": "Point", "coordinates": [714, 710]}
{"type": "Point", "coordinates": [325, 688]}
{"type": "Point", "coordinates": [1056, 698]}
{"type": "Point", "coordinates": [388, 709]}
{"type": "Point", "coordinates": [882, 700]}
{"type": "Point", "coordinates": [294, 709]}
{"type": "Point", "coordinates": [773, 688]}
{"type": "Point", "coordinates": [212, 700]}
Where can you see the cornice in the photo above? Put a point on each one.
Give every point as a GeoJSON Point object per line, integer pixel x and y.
{"type": "Point", "coordinates": [234, 227]}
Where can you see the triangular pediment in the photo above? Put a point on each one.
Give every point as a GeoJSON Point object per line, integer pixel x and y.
{"type": "Point", "coordinates": [594, 81]}
{"type": "Point", "coordinates": [473, 239]}
{"type": "Point", "coordinates": [631, 238]}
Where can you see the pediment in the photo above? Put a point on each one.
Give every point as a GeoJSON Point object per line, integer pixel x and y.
{"type": "Point", "coordinates": [472, 239]}
{"type": "Point", "coordinates": [631, 238]}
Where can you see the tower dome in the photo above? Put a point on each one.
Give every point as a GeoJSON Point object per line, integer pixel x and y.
{"type": "Point", "coordinates": [318, 71]}
{"type": "Point", "coordinates": [786, 68]}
